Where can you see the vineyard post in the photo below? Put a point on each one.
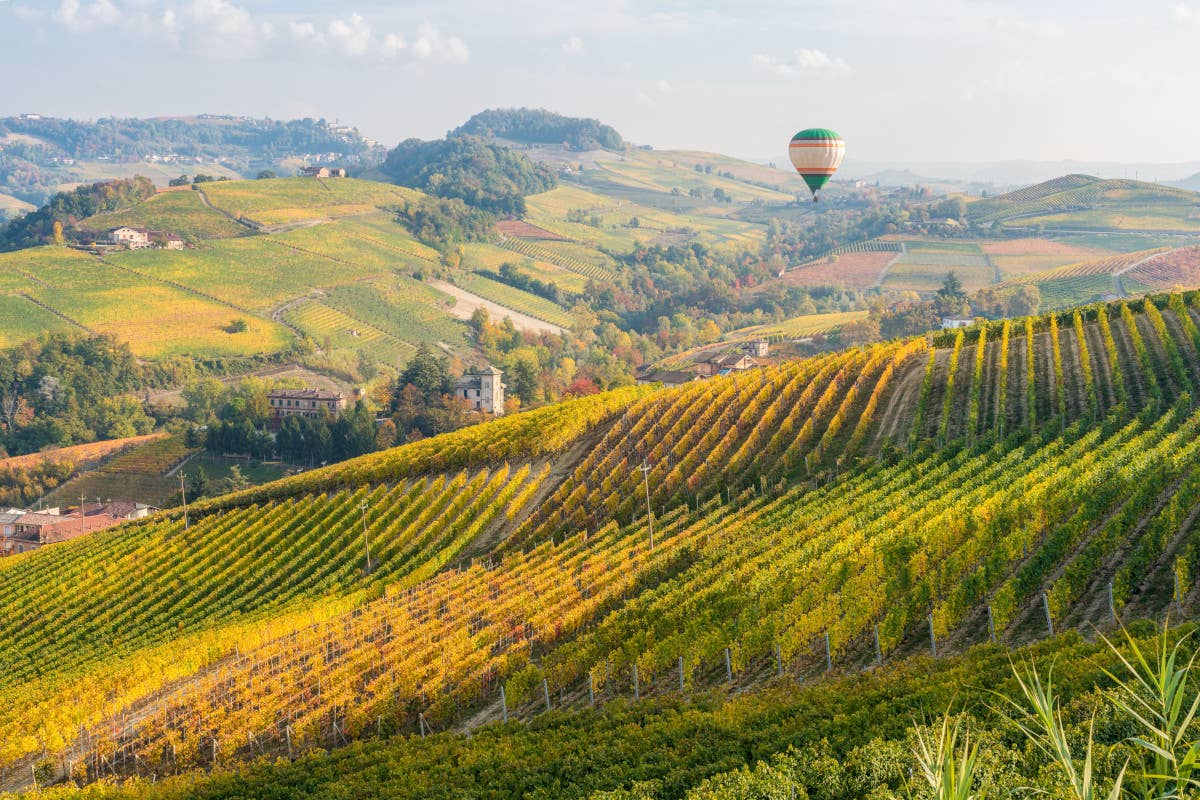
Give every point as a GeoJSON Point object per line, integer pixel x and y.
{"type": "Point", "coordinates": [546, 693]}
{"type": "Point", "coordinates": [1178, 593]}
{"type": "Point", "coordinates": [828, 654]}
{"type": "Point", "coordinates": [421, 722]}
{"type": "Point", "coordinates": [681, 674]}
{"type": "Point", "coordinates": [645, 470]}
{"type": "Point", "coordinates": [1046, 608]}
{"type": "Point", "coordinates": [591, 690]}
{"type": "Point", "coordinates": [878, 649]}
{"type": "Point", "coordinates": [1112, 606]}
{"type": "Point", "coordinates": [991, 624]}
{"type": "Point", "coordinates": [503, 705]}
{"type": "Point", "coordinates": [932, 637]}
{"type": "Point", "coordinates": [366, 538]}
{"type": "Point", "coordinates": [778, 660]}
{"type": "Point", "coordinates": [287, 733]}
{"type": "Point", "coordinates": [183, 498]}
{"type": "Point", "coordinates": [637, 693]}
{"type": "Point", "coordinates": [728, 667]}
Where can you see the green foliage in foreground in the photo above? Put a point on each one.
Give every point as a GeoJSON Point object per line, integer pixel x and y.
{"type": "Point", "coordinates": [862, 736]}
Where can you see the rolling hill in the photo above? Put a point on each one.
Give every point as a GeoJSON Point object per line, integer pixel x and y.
{"type": "Point", "coordinates": [1085, 203]}
{"type": "Point", "coordinates": [825, 514]}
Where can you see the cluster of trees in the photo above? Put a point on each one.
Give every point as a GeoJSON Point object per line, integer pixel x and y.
{"type": "Point", "coordinates": [21, 486]}
{"type": "Point", "coordinates": [442, 223]}
{"type": "Point", "coordinates": [538, 126]}
{"type": "Point", "coordinates": [67, 389]}
{"type": "Point", "coordinates": [58, 218]}
{"type": "Point", "coordinates": [511, 274]}
{"type": "Point", "coordinates": [236, 421]}
{"type": "Point", "coordinates": [482, 174]}
{"type": "Point", "coordinates": [700, 284]}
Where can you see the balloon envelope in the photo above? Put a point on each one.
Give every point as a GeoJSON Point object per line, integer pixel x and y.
{"type": "Point", "coordinates": [816, 154]}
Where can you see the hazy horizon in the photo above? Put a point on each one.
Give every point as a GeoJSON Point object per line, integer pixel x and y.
{"type": "Point", "coordinates": [904, 84]}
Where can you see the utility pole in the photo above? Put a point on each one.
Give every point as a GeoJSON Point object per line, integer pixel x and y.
{"type": "Point", "coordinates": [645, 470]}
{"type": "Point", "coordinates": [366, 538]}
{"type": "Point", "coordinates": [183, 496]}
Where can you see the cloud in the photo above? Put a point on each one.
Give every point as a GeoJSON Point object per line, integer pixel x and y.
{"type": "Point", "coordinates": [801, 62]}
{"type": "Point", "coordinates": [1029, 28]}
{"type": "Point", "coordinates": [1183, 14]}
{"type": "Point", "coordinates": [222, 29]}
{"type": "Point", "coordinates": [663, 86]}
{"type": "Point", "coordinates": [352, 36]}
{"type": "Point", "coordinates": [431, 45]}
{"type": "Point", "coordinates": [80, 17]}
{"type": "Point", "coordinates": [573, 46]}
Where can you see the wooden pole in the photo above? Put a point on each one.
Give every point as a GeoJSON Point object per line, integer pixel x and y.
{"type": "Point", "coordinates": [932, 638]}
{"type": "Point", "coordinates": [828, 654]}
{"type": "Point", "coordinates": [546, 693]}
{"type": "Point", "coordinates": [681, 674]}
{"type": "Point", "coordinates": [878, 649]}
{"type": "Point", "coordinates": [636, 688]}
{"type": "Point", "coordinates": [503, 705]}
{"type": "Point", "coordinates": [991, 624]}
{"type": "Point", "coordinates": [1046, 608]}
{"type": "Point", "coordinates": [728, 667]}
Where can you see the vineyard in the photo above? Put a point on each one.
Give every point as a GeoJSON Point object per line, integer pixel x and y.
{"type": "Point", "coordinates": [1085, 202]}
{"type": "Point", "coordinates": [138, 473]}
{"type": "Point", "coordinates": [81, 455]}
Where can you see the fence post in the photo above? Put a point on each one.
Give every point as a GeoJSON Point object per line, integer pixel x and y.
{"type": "Point", "coordinates": [637, 695]}
{"type": "Point", "coordinates": [1046, 607]}
{"type": "Point", "coordinates": [828, 654]}
{"type": "Point", "coordinates": [991, 624]}
{"type": "Point", "coordinates": [546, 693]}
{"type": "Point", "coordinates": [728, 667]}
{"type": "Point", "coordinates": [503, 704]}
{"type": "Point", "coordinates": [932, 637]}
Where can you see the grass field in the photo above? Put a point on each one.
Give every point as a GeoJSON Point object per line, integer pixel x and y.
{"type": "Point", "coordinates": [178, 212]}
{"type": "Point", "coordinates": [806, 325]}
{"type": "Point", "coordinates": [157, 319]}
{"type": "Point", "coordinates": [852, 270]}
{"type": "Point", "coordinates": [405, 308]}
{"type": "Point", "coordinates": [333, 329]}
{"type": "Point", "coordinates": [258, 273]}
{"type": "Point", "coordinates": [12, 206]}
{"type": "Point", "coordinates": [478, 255]}
{"type": "Point", "coordinates": [284, 200]}
{"type": "Point", "coordinates": [516, 299]}
{"type": "Point", "coordinates": [925, 277]}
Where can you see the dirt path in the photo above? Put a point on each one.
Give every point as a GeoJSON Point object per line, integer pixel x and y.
{"type": "Point", "coordinates": [245, 223]}
{"type": "Point", "coordinates": [901, 407]}
{"type": "Point", "coordinates": [883, 273]}
{"type": "Point", "coordinates": [466, 303]}
{"type": "Point", "coordinates": [1118, 287]}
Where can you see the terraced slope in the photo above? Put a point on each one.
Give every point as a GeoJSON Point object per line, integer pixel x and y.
{"type": "Point", "coordinates": [838, 509]}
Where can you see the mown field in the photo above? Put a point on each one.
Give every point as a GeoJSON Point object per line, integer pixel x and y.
{"type": "Point", "coordinates": [280, 201]}
{"type": "Point", "coordinates": [180, 212]}
{"type": "Point", "coordinates": [77, 291]}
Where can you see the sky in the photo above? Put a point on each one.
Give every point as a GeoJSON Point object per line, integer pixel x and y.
{"type": "Point", "coordinates": [910, 81]}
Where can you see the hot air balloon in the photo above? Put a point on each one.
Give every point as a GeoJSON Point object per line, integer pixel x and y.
{"type": "Point", "coordinates": [816, 154]}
